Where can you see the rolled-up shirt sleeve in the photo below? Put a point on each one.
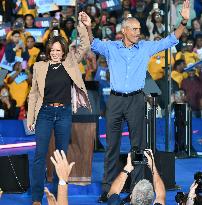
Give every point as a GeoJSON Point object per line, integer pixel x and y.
{"type": "Point", "coordinates": [165, 43]}
{"type": "Point", "coordinates": [99, 47]}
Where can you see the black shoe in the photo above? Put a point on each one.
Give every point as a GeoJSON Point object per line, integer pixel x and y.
{"type": "Point", "coordinates": [103, 198]}
{"type": "Point", "coordinates": [126, 200]}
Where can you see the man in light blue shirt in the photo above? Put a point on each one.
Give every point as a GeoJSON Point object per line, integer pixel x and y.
{"type": "Point", "coordinates": [127, 62]}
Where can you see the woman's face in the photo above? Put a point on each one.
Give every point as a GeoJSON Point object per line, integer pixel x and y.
{"type": "Point", "coordinates": [196, 25]}
{"type": "Point", "coordinates": [29, 21]}
{"type": "Point", "coordinates": [158, 18]}
{"type": "Point", "coordinates": [56, 52]}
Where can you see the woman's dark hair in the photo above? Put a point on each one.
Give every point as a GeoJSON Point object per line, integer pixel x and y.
{"type": "Point", "coordinates": [63, 44]}
{"type": "Point", "coordinates": [177, 63]}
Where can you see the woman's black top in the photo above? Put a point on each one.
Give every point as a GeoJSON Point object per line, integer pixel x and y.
{"type": "Point", "coordinates": [57, 85]}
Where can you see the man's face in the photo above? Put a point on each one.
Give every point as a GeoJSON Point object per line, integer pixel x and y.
{"type": "Point", "coordinates": [16, 38]}
{"type": "Point", "coordinates": [69, 24]}
{"type": "Point", "coordinates": [30, 43]}
{"type": "Point", "coordinates": [132, 31]}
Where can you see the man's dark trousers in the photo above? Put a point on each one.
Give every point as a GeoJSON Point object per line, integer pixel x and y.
{"type": "Point", "coordinates": [132, 110]}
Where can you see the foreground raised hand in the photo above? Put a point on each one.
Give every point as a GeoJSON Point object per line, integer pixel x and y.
{"type": "Point", "coordinates": [62, 167]}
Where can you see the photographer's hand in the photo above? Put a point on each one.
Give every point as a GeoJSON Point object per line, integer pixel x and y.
{"type": "Point", "coordinates": [150, 159]}
{"type": "Point", "coordinates": [62, 167]}
{"type": "Point", "coordinates": [159, 187]}
{"type": "Point", "coordinates": [129, 167]}
{"type": "Point", "coordinates": [120, 180]}
{"type": "Point", "coordinates": [192, 194]}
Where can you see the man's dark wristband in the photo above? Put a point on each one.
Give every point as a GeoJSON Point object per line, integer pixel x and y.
{"type": "Point", "coordinates": [184, 23]}
{"type": "Point", "coordinates": [125, 171]}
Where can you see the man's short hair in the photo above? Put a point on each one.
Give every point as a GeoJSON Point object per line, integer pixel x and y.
{"type": "Point", "coordinates": [15, 32]}
{"type": "Point", "coordinates": [128, 21]}
{"type": "Point", "coordinates": [143, 193]}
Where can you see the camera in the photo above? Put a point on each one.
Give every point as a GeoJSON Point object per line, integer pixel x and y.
{"type": "Point", "coordinates": [198, 178]}
{"type": "Point", "coordinates": [138, 157]}
{"type": "Point", "coordinates": [181, 197]}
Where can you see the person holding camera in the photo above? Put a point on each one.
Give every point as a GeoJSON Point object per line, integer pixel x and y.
{"type": "Point", "coordinates": [127, 60]}
{"type": "Point", "coordinates": [142, 192]}
{"type": "Point", "coordinates": [155, 22]}
{"type": "Point", "coordinates": [54, 30]}
{"type": "Point", "coordinates": [192, 194]}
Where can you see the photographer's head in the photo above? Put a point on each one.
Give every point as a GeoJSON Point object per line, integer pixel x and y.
{"type": "Point", "coordinates": [143, 193]}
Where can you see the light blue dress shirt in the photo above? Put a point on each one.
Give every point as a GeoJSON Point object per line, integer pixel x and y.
{"type": "Point", "coordinates": [128, 66]}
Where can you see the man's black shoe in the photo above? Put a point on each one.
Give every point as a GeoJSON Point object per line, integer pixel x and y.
{"type": "Point", "coordinates": [126, 200]}
{"type": "Point", "coordinates": [103, 198]}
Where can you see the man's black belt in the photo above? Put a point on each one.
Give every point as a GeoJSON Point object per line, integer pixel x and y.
{"type": "Point", "coordinates": [113, 92]}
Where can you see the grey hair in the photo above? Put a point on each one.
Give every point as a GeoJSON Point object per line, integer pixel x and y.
{"type": "Point", "coordinates": [143, 193]}
{"type": "Point", "coordinates": [128, 21]}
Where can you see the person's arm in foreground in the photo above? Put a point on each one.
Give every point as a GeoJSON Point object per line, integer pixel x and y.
{"type": "Point", "coordinates": [159, 187]}
{"type": "Point", "coordinates": [172, 39]}
{"type": "Point", "coordinates": [185, 13]}
{"type": "Point", "coordinates": [119, 182]}
{"type": "Point", "coordinates": [63, 169]}
{"type": "Point", "coordinates": [84, 22]}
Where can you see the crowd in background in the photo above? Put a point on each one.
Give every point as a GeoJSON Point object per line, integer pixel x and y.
{"type": "Point", "coordinates": [106, 25]}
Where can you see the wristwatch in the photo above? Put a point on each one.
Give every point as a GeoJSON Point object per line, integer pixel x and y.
{"type": "Point", "coordinates": [125, 171]}
{"type": "Point", "coordinates": [62, 182]}
{"type": "Point", "coordinates": [184, 22]}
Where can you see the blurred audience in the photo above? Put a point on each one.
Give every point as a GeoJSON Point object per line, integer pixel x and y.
{"type": "Point", "coordinates": [187, 53]}
{"type": "Point", "coordinates": [8, 109]}
{"type": "Point", "coordinates": [102, 76]}
{"type": "Point", "coordinates": [193, 92]}
{"type": "Point", "coordinates": [18, 85]}
{"type": "Point", "coordinates": [16, 48]}
{"type": "Point", "coordinates": [32, 50]}
{"type": "Point", "coordinates": [198, 46]}
{"type": "Point", "coordinates": [106, 25]}
{"type": "Point", "coordinates": [29, 21]}
{"type": "Point", "coordinates": [178, 73]}
{"type": "Point", "coordinates": [54, 30]}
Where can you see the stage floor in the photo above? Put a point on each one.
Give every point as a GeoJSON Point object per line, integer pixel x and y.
{"type": "Point", "coordinates": [80, 195]}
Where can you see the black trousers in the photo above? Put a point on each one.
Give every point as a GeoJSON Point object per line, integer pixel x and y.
{"type": "Point", "coordinates": [132, 110]}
